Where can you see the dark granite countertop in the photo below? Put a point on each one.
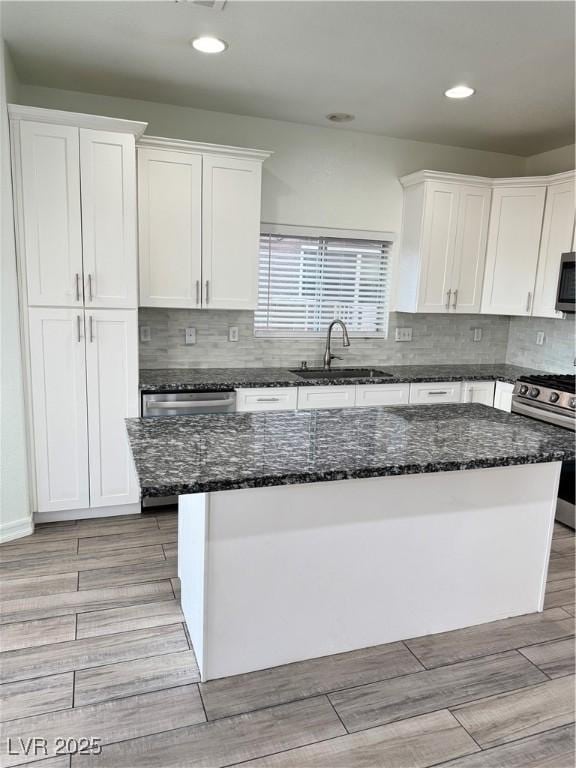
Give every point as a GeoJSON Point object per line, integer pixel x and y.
{"type": "Point", "coordinates": [195, 454]}
{"type": "Point", "coordinates": [218, 379]}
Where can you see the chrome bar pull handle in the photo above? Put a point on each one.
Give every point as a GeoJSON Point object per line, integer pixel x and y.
{"type": "Point", "coordinates": [529, 301]}
{"type": "Point", "coordinates": [197, 292]}
{"type": "Point", "coordinates": [448, 294]}
{"type": "Point", "coordinates": [79, 327]}
{"type": "Point", "coordinates": [91, 323]}
{"type": "Point", "coordinates": [77, 287]}
{"type": "Point", "coordinates": [455, 299]}
{"type": "Point", "coordinates": [207, 291]}
{"type": "Point", "coordinates": [90, 292]}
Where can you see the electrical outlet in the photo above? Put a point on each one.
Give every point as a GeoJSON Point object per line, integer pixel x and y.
{"type": "Point", "coordinates": [403, 334]}
{"type": "Point", "coordinates": [145, 334]}
{"type": "Point", "coordinates": [233, 333]}
{"type": "Point", "coordinates": [190, 336]}
{"type": "Point", "coordinates": [477, 334]}
{"type": "Point", "coordinates": [540, 338]}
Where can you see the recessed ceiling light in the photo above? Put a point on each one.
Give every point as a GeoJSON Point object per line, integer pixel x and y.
{"type": "Point", "coordinates": [459, 92]}
{"type": "Point", "coordinates": [208, 44]}
{"type": "Point", "coordinates": [340, 117]}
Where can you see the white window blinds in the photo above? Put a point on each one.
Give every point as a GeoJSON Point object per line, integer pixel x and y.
{"type": "Point", "coordinates": [306, 282]}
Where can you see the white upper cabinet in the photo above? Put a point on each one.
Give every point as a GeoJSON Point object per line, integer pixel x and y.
{"type": "Point", "coordinates": [557, 234]}
{"type": "Point", "coordinates": [76, 193]}
{"type": "Point", "coordinates": [58, 376]}
{"type": "Point", "coordinates": [512, 251]}
{"type": "Point", "coordinates": [50, 213]}
{"type": "Point", "coordinates": [108, 180]}
{"type": "Point", "coordinates": [112, 387]}
{"type": "Point", "coordinates": [441, 262]}
{"type": "Point", "coordinates": [199, 224]}
{"type": "Point", "coordinates": [170, 227]}
{"type": "Point", "coordinates": [470, 249]}
{"type": "Point", "coordinates": [230, 232]}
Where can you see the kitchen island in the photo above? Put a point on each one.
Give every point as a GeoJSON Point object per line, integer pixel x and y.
{"type": "Point", "coordinates": [308, 533]}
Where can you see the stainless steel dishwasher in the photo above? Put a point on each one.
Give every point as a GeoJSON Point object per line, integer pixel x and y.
{"type": "Point", "coordinates": [183, 404]}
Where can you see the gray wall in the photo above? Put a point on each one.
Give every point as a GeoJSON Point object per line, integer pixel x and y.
{"type": "Point", "coordinates": [556, 354]}
{"type": "Point", "coordinates": [436, 339]}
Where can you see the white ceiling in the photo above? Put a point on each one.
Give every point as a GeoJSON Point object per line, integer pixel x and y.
{"type": "Point", "coordinates": [386, 62]}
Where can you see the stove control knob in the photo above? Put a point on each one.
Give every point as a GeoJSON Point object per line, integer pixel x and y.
{"type": "Point", "coordinates": [534, 392]}
{"type": "Point", "coordinates": [554, 397]}
{"type": "Point", "coordinates": [573, 403]}
{"type": "Point", "coordinates": [523, 389]}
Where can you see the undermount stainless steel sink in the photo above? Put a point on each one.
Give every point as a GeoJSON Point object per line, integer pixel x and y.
{"type": "Point", "coordinates": [339, 373]}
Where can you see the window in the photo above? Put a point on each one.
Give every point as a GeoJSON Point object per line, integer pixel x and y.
{"type": "Point", "coordinates": [305, 282]}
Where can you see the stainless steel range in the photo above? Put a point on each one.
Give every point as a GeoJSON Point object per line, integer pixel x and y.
{"type": "Point", "coordinates": [552, 398]}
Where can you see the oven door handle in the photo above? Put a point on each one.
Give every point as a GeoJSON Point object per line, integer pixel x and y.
{"type": "Point", "coordinates": [543, 415]}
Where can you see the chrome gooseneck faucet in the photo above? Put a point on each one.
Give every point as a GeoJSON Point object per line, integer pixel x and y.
{"type": "Point", "coordinates": [328, 356]}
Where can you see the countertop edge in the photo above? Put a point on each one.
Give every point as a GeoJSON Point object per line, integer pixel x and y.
{"type": "Point", "coordinates": [361, 474]}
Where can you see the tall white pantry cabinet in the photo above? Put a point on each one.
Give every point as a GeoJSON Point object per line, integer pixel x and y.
{"type": "Point", "coordinates": [75, 190]}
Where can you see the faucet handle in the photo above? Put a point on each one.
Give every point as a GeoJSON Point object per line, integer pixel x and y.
{"type": "Point", "coordinates": [335, 357]}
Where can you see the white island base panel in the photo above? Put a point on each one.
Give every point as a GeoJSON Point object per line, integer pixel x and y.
{"type": "Point", "coordinates": [276, 575]}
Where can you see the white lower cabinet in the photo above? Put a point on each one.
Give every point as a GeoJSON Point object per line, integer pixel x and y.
{"type": "Point", "coordinates": [326, 397]}
{"type": "Point", "coordinates": [58, 374]}
{"type": "Point", "coordinates": [112, 386]}
{"type": "Point", "coordinates": [503, 396]}
{"type": "Point", "coordinates": [478, 392]}
{"type": "Point", "coordinates": [267, 399]}
{"type": "Point", "coordinates": [436, 392]}
{"type": "Point", "coordinates": [382, 394]}
{"type": "Point", "coordinates": [84, 382]}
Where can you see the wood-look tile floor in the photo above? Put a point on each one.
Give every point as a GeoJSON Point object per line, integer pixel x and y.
{"type": "Point", "coordinates": [92, 645]}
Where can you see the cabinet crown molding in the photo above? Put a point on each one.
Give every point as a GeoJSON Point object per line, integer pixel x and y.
{"type": "Point", "coordinates": [444, 177]}
{"type": "Point", "coordinates": [76, 119]}
{"type": "Point", "coordinates": [418, 177]}
{"type": "Point", "coordinates": [199, 147]}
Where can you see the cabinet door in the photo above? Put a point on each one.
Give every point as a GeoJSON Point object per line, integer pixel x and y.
{"type": "Point", "coordinates": [230, 232]}
{"type": "Point", "coordinates": [512, 251]}
{"type": "Point", "coordinates": [170, 228]}
{"type": "Point", "coordinates": [557, 233]}
{"type": "Point", "coordinates": [503, 396]}
{"type": "Point", "coordinates": [436, 392]}
{"type": "Point", "coordinates": [438, 242]}
{"type": "Point", "coordinates": [478, 392]}
{"type": "Point", "coordinates": [470, 250]}
{"type": "Point", "coordinates": [58, 388]}
{"type": "Point", "coordinates": [51, 214]}
{"type": "Point", "coordinates": [382, 394]}
{"type": "Point", "coordinates": [108, 177]}
{"type": "Point", "coordinates": [267, 399]}
{"type": "Point", "coordinates": [112, 376]}
{"type": "Point", "coordinates": [326, 397]}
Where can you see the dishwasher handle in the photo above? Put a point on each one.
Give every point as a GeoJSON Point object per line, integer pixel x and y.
{"type": "Point", "coordinates": [190, 403]}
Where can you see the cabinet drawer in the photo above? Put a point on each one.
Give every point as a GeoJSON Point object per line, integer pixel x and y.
{"type": "Point", "coordinates": [326, 397]}
{"type": "Point", "coordinates": [267, 399]}
{"type": "Point", "coordinates": [436, 392]}
{"type": "Point", "coordinates": [478, 392]}
{"type": "Point", "coordinates": [382, 394]}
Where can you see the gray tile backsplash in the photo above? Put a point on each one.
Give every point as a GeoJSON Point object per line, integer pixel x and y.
{"type": "Point", "coordinates": [556, 354]}
{"type": "Point", "coordinates": [436, 339]}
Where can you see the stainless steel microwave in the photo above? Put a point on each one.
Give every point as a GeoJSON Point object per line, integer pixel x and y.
{"type": "Point", "coordinates": [566, 296]}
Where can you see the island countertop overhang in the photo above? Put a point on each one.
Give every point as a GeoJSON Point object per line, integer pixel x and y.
{"type": "Point", "coordinates": [219, 452]}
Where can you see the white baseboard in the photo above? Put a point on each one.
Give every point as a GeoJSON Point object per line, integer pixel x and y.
{"type": "Point", "coordinates": [16, 529]}
{"type": "Point", "coordinates": [82, 514]}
